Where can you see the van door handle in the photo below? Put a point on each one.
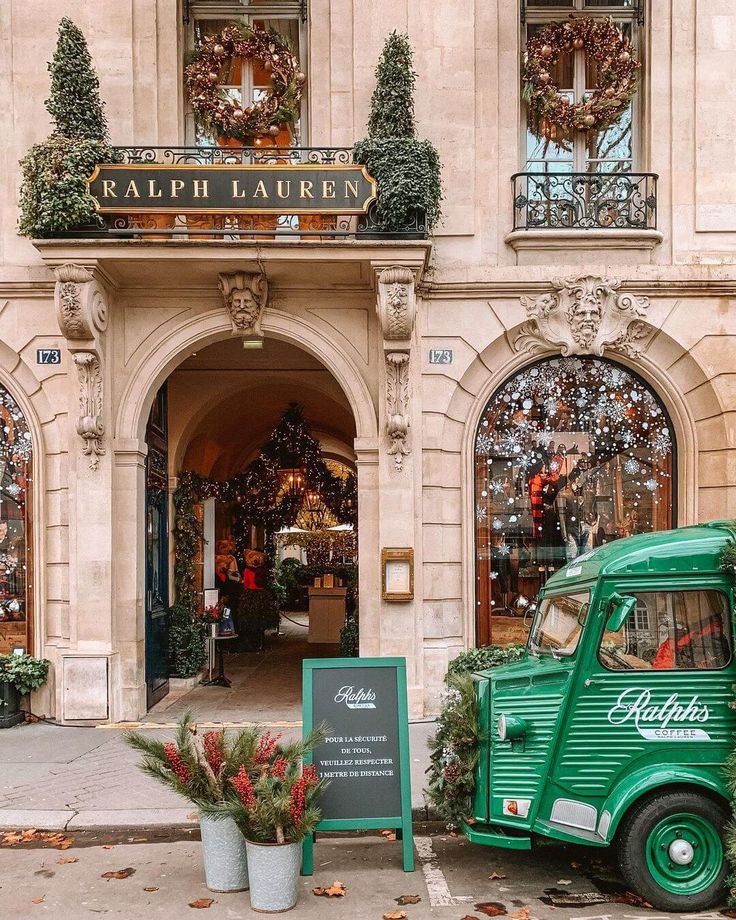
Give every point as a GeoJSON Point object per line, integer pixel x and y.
{"type": "Point", "coordinates": [591, 683]}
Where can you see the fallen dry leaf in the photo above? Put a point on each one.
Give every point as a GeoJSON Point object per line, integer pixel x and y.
{"type": "Point", "coordinates": [37, 900]}
{"type": "Point", "coordinates": [201, 903]}
{"type": "Point", "coordinates": [469, 917]}
{"type": "Point", "coordinates": [632, 899]}
{"type": "Point", "coordinates": [107, 846]}
{"type": "Point", "coordinates": [119, 873]}
{"type": "Point", "coordinates": [396, 915]}
{"type": "Point", "coordinates": [495, 875]}
{"type": "Point", "coordinates": [523, 913]}
{"type": "Point", "coordinates": [564, 881]}
{"type": "Point", "coordinates": [491, 909]}
{"type": "Point", "coordinates": [29, 834]}
{"type": "Point", "coordinates": [388, 835]}
{"type": "Point", "coordinates": [335, 890]}
{"type": "Point", "coordinates": [67, 860]}
{"type": "Point", "coordinates": [152, 888]}
{"type": "Point", "coordinates": [574, 865]}
{"type": "Point", "coordinates": [407, 899]}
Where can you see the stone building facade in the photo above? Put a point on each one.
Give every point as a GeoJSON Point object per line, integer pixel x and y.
{"type": "Point", "coordinates": [503, 283]}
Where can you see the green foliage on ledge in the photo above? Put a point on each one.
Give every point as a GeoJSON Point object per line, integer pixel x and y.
{"type": "Point", "coordinates": [407, 170]}
{"type": "Point", "coordinates": [54, 196]}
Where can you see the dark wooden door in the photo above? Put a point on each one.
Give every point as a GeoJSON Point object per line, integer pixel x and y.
{"type": "Point", "coordinates": [157, 552]}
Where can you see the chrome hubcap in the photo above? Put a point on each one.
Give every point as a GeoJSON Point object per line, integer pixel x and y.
{"type": "Point", "coordinates": [681, 852]}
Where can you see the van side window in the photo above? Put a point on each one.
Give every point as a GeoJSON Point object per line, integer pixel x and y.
{"type": "Point", "coordinates": [671, 631]}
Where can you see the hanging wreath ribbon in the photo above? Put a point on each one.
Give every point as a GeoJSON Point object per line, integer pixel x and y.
{"type": "Point", "coordinates": [224, 116]}
{"type": "Point", "coordinates": [617, 75]}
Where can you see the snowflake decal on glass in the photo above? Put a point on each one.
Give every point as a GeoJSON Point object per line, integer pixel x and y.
{"type": "Point", "coordinates": [484, 443]}
{"type": "Point", "coordinates": [631, 466]}
{"type": "Point", "coordinates": [481, 513]}
{"type": "Point", "coordinates": [652, 485]}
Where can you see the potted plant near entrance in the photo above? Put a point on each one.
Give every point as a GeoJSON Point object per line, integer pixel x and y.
{"type": "Point", "coordinates": [406, 169]}
{"type": "Point", "coordinates": [201, 769]}
{"type": "Point", "coordinates": [19, 674]}
{"type": "Point", "coordinates": [276, 808]}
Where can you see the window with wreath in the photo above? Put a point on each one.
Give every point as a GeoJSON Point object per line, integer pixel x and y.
{"type": "Point", "coordinates": [570, 453]}
{"type": "Point", "coordinates": [581, 78]}
{"type": "Point", "coordinates": [16, 454]}
{"type": "Point", "coordinates": [248, 88]}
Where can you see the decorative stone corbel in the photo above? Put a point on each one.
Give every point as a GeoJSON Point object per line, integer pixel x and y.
{"type": "Point", "coordinates": [81, 309]}
{"type": "Point", "coordinates": [397, 309]}
{"type": "Point", "coordinates": [81, 304]}
{"type": "Point", "coordinates": [397, 306]}
{"type": "Point", "coordinates": [245, 295]}
{"type": "Point", "coordinates": [584, 315]}
{"type": "Point", "coordinates": [90, 426]}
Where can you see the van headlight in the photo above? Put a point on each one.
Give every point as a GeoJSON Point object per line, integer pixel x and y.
{"type": "Point", "coordinates": [510, 727]}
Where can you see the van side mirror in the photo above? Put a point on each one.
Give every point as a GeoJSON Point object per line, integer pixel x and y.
{"type": "Point", "coordinates": [622, 605]}
{"type": "Point", "coordinates": [529, 614]}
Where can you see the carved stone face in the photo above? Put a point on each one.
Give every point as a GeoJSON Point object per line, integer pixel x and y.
{"type": "Point", "coordinates": [243, 307]}
{"type": "Point", "coordinates": [585, 314]}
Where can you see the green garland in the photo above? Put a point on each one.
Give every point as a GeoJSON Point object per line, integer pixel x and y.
{"type": "Point", "coordinates": [453, 749]}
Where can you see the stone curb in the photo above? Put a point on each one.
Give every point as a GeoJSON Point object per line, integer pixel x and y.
{"type": "Point", "coordinates": [68, 820]}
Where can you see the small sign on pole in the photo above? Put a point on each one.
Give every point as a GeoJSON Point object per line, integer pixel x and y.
{"type": "Point", "coordinates": [366, 754]}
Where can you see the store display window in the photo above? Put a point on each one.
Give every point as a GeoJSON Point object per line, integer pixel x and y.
{"type": "Point", "coordinates": [570, 453]}
{"type": "Point", "coordinates": [16, 454]}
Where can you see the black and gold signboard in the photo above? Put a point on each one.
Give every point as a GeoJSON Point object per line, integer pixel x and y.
{"type": "Point", "coordinates": [278, 189]}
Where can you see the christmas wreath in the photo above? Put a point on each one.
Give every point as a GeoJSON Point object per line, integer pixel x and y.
{"type": "Point", "coordinates": [224, 116]}
{"type": "Point", "coordinates": [617, 75]}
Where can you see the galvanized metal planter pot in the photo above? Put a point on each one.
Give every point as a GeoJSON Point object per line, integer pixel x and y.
{"type": "Point", "coordinates": [273, 869]}
{"type": "Point", "coordinates": [225, 860]}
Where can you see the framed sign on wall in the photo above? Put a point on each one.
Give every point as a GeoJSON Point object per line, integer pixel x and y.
{"type": "Point", "coordinates": [397, 573]}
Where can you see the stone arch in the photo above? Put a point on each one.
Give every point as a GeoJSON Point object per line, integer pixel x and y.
{"type": "Point", "coordinates": [207, 328]}
{"type": "Point", "coordinates": [664, 366]}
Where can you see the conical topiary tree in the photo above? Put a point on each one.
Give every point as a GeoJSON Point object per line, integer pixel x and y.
{"type": "Point", "coordinates": [54, 197]}
{"type": "Point", "coordinates": [74, 103]}
{"type": "Point", "coordinates": [407, 170]}
{"type": "Point", "coordinates": [392, 103]}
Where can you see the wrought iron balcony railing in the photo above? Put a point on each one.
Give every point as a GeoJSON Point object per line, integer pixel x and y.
{"type": "Point", "coordinates": [585, 201]}
{"type": "Point", "coordinates": [236, 226]}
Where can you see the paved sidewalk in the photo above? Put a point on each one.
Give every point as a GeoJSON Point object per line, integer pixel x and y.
{"type": "Point", "coordinates": [61, 777]}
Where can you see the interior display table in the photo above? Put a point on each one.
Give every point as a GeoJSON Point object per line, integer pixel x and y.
{"type": "Point", "coordinates": [219, 680]}
{"type": "Point", "coordinates": [326, 614]}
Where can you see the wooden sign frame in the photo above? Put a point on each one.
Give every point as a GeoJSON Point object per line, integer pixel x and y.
{"type": "Point", "coordinates": [397, 556]}
{"type": "Point", "coordinates": [401, 823]}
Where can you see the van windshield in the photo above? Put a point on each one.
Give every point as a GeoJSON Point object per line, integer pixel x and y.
{"type": "Point", "coordinates": [558, 624]}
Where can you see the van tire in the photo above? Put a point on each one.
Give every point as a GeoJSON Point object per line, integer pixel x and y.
{"type": "Point", "coordinates": [644, 855]}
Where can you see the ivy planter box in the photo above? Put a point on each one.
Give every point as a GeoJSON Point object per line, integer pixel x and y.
{"type": "Point", "coordinates": [416, 228]}
{"type": "Point", "coordinates": [10, 713]}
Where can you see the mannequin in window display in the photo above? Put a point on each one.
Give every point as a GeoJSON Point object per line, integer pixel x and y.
{"type": "Point", "coordinates": [506, 576]}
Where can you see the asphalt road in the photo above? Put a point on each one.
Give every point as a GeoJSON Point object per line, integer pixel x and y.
{"type": "Point", "coordinates": [452, 878]}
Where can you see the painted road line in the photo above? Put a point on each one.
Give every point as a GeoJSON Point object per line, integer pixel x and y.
{"type": "Point", "coordinates": [434, 877]}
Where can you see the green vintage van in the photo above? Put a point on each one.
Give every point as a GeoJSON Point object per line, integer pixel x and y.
{"type": "Point", "coordinates": [615, 726]}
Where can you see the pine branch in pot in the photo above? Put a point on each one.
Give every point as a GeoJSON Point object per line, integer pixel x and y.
{"type": "Point", "coordinates": [275, 805]}
{"type": "Point", "coordinates": [201, 769]}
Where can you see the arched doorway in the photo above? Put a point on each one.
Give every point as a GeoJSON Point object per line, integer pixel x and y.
{"type": "Point", "coordinates": [569, 453]}
{"type": "Point", "coordinates": [16, 562]}
{"type": "Point", "coordinates": [228, 407]}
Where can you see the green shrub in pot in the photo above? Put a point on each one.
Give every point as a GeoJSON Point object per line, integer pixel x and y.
{"type": "Point", "coordinates": [407, 170]}
{"type": "Point", "coordinates": [54, 197]}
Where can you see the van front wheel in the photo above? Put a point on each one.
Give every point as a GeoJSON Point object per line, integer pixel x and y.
{"type": "Point", "coordinates": [671, 851]}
